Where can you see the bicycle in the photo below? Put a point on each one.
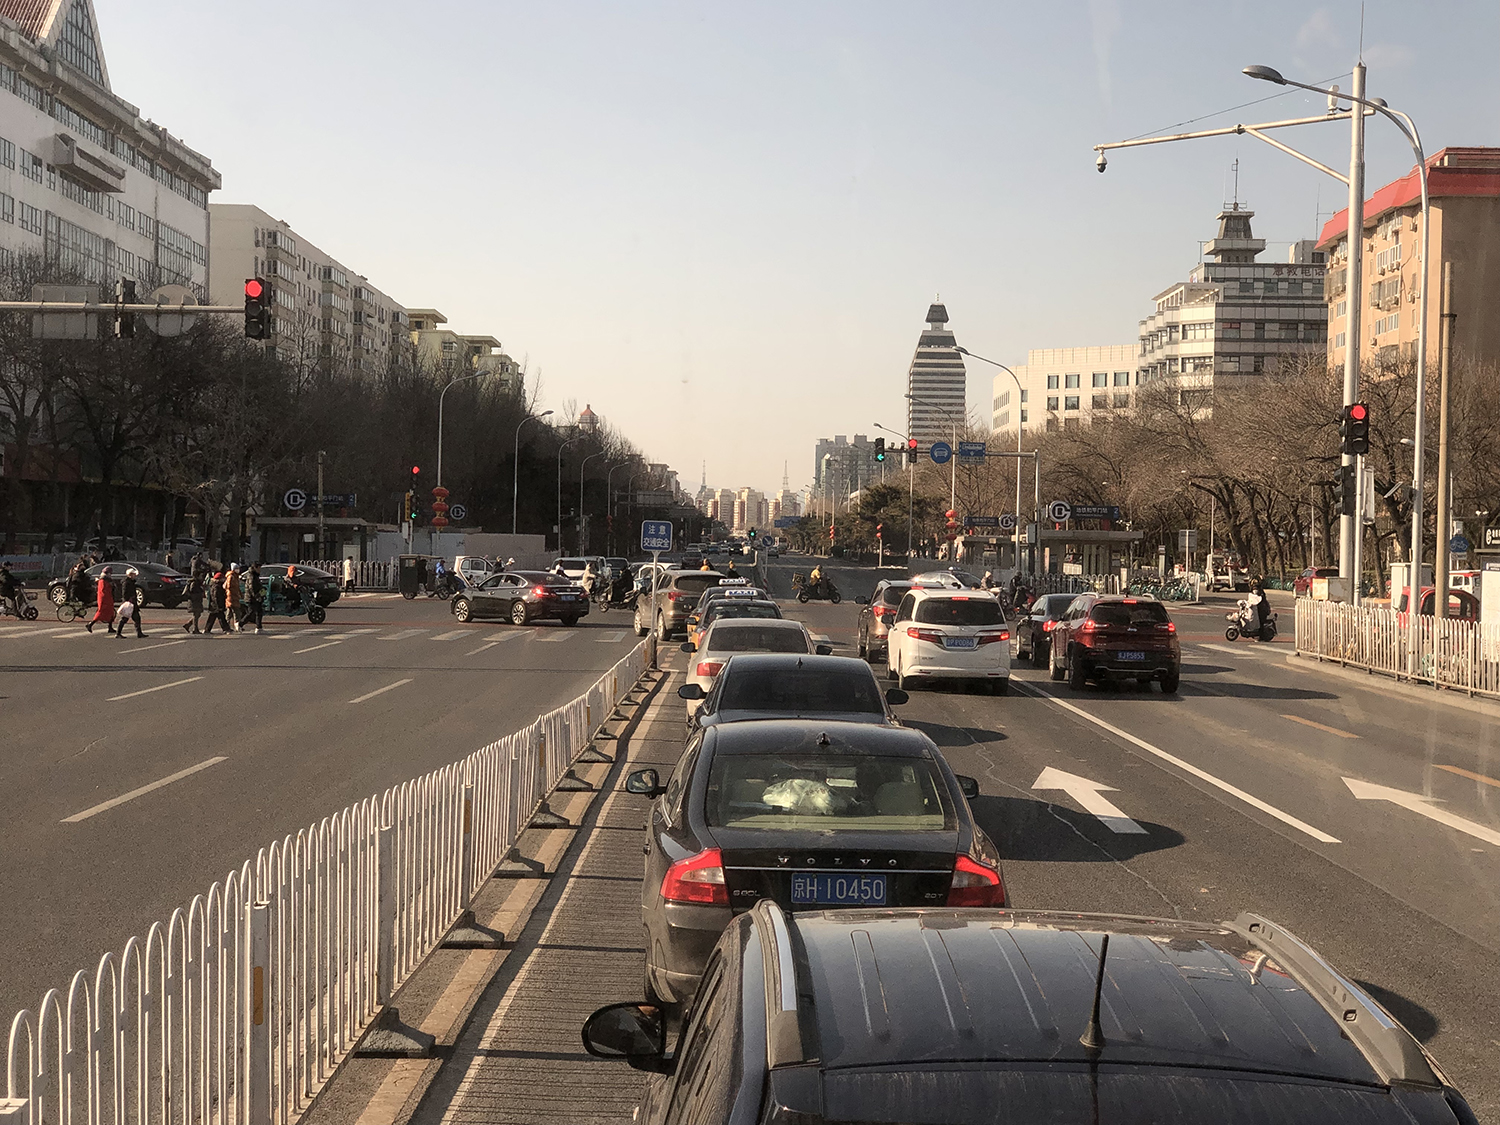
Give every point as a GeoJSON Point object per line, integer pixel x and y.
{"type": "Point", "coordinates": [71, 610]}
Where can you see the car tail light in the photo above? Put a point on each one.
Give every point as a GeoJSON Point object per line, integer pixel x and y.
{"type": "Point", "coordinates": [1048, 626]}
{"type": "Point", "coordinates": [673, 595]}
{"type": "Point", "coordinates": [885, 611]}
{"type": "Point", "coordinates": [991, 638]}
{"type": "Point", "coordinates": [539, 591]}
{"type": "Point", "coordinates": [699, 878]}
{"type": "Point", "coordinates": [1089, 625]}
{"type": "Point", "coordinates": [1169, 626]}
{"type": "Point", "coordinates": [974, 884]}
{"type": "Point", "coordinates": [710, 667]}
{"type": "Point", "coordinates": [925, 635]}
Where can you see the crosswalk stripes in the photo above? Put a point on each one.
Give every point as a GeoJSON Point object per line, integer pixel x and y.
{"type": "Point", "coordinates": [611, 638]}
{"type": "Point", "coordinates": [401, 636]}
{"type": "Point", "coordinates": [452, 635]}
{"type": "Point", "coordinates": [554, 637]}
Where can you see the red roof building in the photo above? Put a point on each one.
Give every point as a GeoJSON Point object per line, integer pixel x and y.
{"type": "Point", "coordinates": [1464, 187]}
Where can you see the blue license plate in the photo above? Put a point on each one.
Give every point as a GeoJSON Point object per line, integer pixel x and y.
{"type": "Point", "coordinates": [960, 642]}
{"type": "Point", "coordinates": [830, 889]}
{"type": "Point", "coordinates": [566, 597]}
{"type": "Point", "coordinates": [1131, 655]}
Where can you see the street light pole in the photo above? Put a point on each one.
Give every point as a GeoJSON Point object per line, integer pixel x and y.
{"type": "Point", "coordinates": [911, 484]}
{"type": "Point", "coordinates": [952, 453]}
{"type": "Point", "coordinates": [609, 500]}
{"type": "Point", "coordinates": [571, 441]}
{"type": "Point", "coordinates": [451, 383]}
{"type": "Point", "coordinates": [581, 467]}
{"type": "Point", "coordinates": [1019, 426]}
{"type": "Point", "coordinates": [515, 488]}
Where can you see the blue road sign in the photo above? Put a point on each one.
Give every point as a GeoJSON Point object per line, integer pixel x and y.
{"type": "Point", "coordinates": [656, 535]}
{"type": "Point", "coordinates": [788, 521]}
{"type": "Point", "coordinates": [1459, 545]}
{"type": "Point", "coordinates": [940, 452]}
{"type": "Point", "coordinates": [971, 451]}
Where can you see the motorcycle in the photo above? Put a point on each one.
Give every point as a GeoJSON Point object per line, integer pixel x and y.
{"type": "Point", "coordinates": [608, 596]}
{"type": "Point", "coordinates": [1242, 621]}
{"type": "Point", "coordinates": [445, 587]}
{"type": "Point", "coordinates": [28, 612]}
{"type": "Point", "coordinates": [806, 591]}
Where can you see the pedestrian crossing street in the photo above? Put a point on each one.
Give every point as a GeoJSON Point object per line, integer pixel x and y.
{"type": "Point", "coordinates": [309, 639]}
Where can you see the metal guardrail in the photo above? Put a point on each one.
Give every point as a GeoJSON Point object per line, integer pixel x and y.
{"type": "Point", "coordinates": [1463, 655]}
{"type": "Point", "coordinates": [239, 1008]}
{"type": "Point", "coordinates": [367, 575]}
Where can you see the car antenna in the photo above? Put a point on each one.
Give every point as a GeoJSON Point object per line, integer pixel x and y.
{"type": "Point", "coordinates": [1093, 1035]}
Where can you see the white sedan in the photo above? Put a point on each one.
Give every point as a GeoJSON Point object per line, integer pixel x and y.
{"type": "Point", "coordinates": [724, 638]}
{"type": "Point", "coordinates": [947, 634]}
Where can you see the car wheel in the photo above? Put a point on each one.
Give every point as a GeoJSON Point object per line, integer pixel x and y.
{"type": "Point", "coordinates": [461, 609]}
{"type": "Point", "coordinates": [863, 648]}
{"type": "Point", "coordinates": [640, 626]}
{"type": "Point", "coordinates": [408, 596]}
{"type": "Point", "coordinates": [662, 632]}
{"type": "Point", "coordinates": [1077, 674]}
{"type": "Point", "coordinates": [1169, 682]}
{"type": "Point", "coordinates": [570, 621]}
{"type": "Point", "coordinates": [901, 681]}
{"type": "Point", "coordinates": [1056, 671]}
{"type": "Point", "coordinates": [57, 595]}
{"type": "Point", "coordinates": [520, 613]}
{"type": "Point", "coordinates": [1038, 655]}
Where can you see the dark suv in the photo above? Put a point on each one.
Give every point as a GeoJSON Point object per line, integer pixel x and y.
{"type": "Point", "coordinates": [677, 594]}
{"type": "Point", "coordinates": [980, 1015]}
{"type": "Point", "coordinates": [1105, 636]}
{"type": "Point", "coordinates": [876, 615]}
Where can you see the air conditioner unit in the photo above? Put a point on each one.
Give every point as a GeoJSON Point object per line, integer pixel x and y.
{"type": "Point", "coordinates": [1414, 224]}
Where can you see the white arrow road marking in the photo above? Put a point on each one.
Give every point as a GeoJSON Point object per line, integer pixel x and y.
{"type": "Point", "coordinates": [1423, 806]}
{"type": "Point", "coordinates": [1090, 795]}
{"type": "Point", "coordinates": [142, 791]}
{"type": "Point", "coordinates": [1235, 791]}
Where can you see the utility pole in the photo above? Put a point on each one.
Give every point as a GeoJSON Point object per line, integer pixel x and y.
{"type": "Point", "coordinates": [320, 504]}
{"type": "Point", "coordinates": [1352, 526]}
{"type": "Point", "coordinates": [1440, 557]}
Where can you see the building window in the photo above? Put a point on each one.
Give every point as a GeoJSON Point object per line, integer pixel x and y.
{"type": "Point", "coordinates": [1052, 382]}
{"type": "Point", "coordinates": [1247, 286]}
{"type": "Point", "coordinates": [1260, 330]}
{"type": "Point", "coordinates": [1002, 420]}
{"type": "Point", "coordinates": [1051, 402]}
{"type": "Point", "coordinates": [1122, 401]}
{"type": "Point", "coordinates": [1052, 425]}
{"type": "Point", "coordinates": [1230, 330]}
{"type": "Point", "coordinates": [31, 95]}
{"type": "Point", "coordinates": [1002, 400]}
{"type": "Point", "coordinates": [1071, 401]}
{"type": "Point", "coordinates": [1294, 288]}
{"type": "Point", "coordinates": [1023, 414]}
{"type": "Point", "coordinates": [1070, 382]}
{"type": "Point", "coordinates": [31, 218]}
{"type": "Point", "coordinates": [77, 45]}
{"type": "Point", "coordinates": [1200, 331]}
{"type": "Point", "coordinates": [1099, 402]}
{"type": "Point", "coordinates": [1260, 363]}
{"type": "Point", "coordinates": [1070, 425]}
{"type": "Point", "coordinates": [1342, 308]}
{"type": "Point", "coordinates": [7, 208]}
{"type": "Point", "coordinates": [7, 153]}
{"type": "Point", "coordinates": [31, 166]}
{"type": "Point", "coordinates": [1101, 378]}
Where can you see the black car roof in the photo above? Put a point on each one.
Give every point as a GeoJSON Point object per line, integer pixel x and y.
{"type": "Point", "coordinates": [820, 736]}
{"type": "Point", "coordinates": [795, 663]}
{"type": "Point", "coordinates": [892, 988]}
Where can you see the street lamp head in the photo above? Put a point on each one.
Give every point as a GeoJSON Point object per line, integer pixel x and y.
{"type": "Point", "coordinates": [544, 413]}
{"type": "Point", "coordinates": [1265, 74]}
{"type": "Point", "coordinates": [960, 350]}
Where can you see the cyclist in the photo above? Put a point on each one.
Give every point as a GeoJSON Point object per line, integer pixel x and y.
{"type": "Point", "coordinates": [10, 589]}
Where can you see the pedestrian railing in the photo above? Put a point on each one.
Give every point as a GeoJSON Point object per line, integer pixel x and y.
{"type": "Point", "coordinates": [239, 1007]}
{"type": "Point", "coordinates": [367, 575]}
{"type": "Point", "coordinates": [1450, 653]}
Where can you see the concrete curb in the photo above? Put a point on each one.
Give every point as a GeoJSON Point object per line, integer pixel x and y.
{"type": "Point", "coordinates": [1388, 685]}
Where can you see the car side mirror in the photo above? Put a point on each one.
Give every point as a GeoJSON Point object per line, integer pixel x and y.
{"type": "Point", "coordinates": [895, 696]}
{"type": "Point", "coordinates": [644, 783]}
{"type": "Point", "coordinates": [822, 650]}
{"type": "Point", "coordinates": [967, 785]}
{"type": "Point", "coordinates": [691, 691]}
{"type": "Point", "coordinates": [861, 601]}
{"type": "Point", "coordinates": [635, 1032]}
{"type": "Point", "coordinates": [688, 646]}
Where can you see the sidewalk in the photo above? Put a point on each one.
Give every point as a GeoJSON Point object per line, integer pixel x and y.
{"type": "Point", "coordinates": [520, 1059]}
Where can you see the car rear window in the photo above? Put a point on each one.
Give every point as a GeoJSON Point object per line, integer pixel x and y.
{"type": "Point", "coordinates": [893, 595]}
{"type": "Point", "coordinates": [821, 792]}
{"type": "Point", "coordinates": [742, 609]}
{"type": "Point", "coordinates": [1057, 604]}
{"type": "Point", "coordinates": [1124, 614]}
{"type": "Point", "coordinates": [696, 583]}
{"type": "Point", "coordinates": [960, 611]}
{"type": "Point", "coordinates": [753, 638]}
{"type": "Point", "coordinates": [800, 691]}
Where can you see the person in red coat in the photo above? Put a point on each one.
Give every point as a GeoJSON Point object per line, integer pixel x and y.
{"type": "Point", "coordinates": [104, 604]}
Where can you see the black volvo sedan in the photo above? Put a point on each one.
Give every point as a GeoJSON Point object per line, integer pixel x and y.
{"type": "Point", "coordinates": [808, 814]}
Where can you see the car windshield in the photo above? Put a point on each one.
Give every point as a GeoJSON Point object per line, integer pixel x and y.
{"type": "Point", "coordinates": [800, 690]}
{"type": "Point", "coordinates": [1055, 605]}
{"type": "Point", "coordinates": [696, 583]}
{"type": "Point", "coordinates": [755, 638]}
{"type": "Point", "coordinates": [572, 564]}
{"type": "Point", "coordinates": [1124, 614]}
{"type": "Point", "coordinates": [537, 578]}
{"type": "Point", "coordinates": [744, 609]}
{"type": "Point", "coordinates": [960, 611]}
{"type": "Point", "coordinates": [825, 791]}
{"type": "Point", "coordinates": [312, 572]}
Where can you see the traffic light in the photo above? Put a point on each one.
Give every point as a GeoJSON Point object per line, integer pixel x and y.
{"type": "Point", "coordinates": [880, 531]}
{"type": "Point", "coordinates": [880, 449]}
{"type": "Point", "coordinates": [1348, 484]}
{"type": "Point", "coordinates": [257, 309]}
{"type": "Point", "coordinates": [911, 451]}
{"type": "Point", "coordinates": [1355, 428]}
{"type": "Point", "coordinates": [409, 506]}
{"type": "Point", "coordinates": [751, 534]}
{"type": "Point", "coordinates": [125, 321]}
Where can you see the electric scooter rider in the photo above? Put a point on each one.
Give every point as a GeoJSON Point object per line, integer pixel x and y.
{"type": "Point", "coordinates": [1258, 606]}
{"type": "Point", "coordinates": [10, 590]}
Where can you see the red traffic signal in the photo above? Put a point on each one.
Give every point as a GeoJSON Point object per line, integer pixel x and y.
{"type": "Point", "coordinates": [254, 287]}
{"type": "Point", "coordinates": [415, 469]}
{"type": "Point", "coordinates": [911, 443]}
{"type": "Point", "coordinates": [257, 309]}
{"type": "Point", "coordinates": [1359, 412]}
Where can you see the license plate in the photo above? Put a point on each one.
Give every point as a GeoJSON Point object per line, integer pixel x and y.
{"type": "Point", "coordinates": [831, 889]}
{"type": "Point", "coordinates": [1131, 655]}
{"type": "Point", "coordinates": [566, 597]}
{"type": "Point", "coordinates": [959, 642]}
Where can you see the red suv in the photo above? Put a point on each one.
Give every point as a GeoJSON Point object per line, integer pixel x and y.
{"type": "Point", "coordinates": [1107, 637]}
{"type": "Point", "coordinates": [1302, 584]}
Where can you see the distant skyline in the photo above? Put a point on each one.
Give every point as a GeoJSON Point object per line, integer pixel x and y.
{"type": "Point", "coordinates": [722, 226]}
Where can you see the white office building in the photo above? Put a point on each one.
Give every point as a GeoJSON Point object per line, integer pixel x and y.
{"type": "Point", "coordinates": [1063, 388]}
{"type": "Point", "coordinates": [935, 383]}
{"type": "Point", "coordinates": [85, 182]}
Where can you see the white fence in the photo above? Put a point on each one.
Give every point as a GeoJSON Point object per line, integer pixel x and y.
{"type": "Point", "coordinates": [367, 575]}
{"type": "Point", "coordinates": [240, 1007]}
{"type": "Point", "coordinates": [1450, 653]}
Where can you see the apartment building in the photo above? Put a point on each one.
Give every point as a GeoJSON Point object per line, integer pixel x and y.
{"type": "Point", "coordinates": [452, 352]}
{"type": "Point", "coordinates": [1062, 388]}
{"type": "Point", "coordinates": [1234, 315]}
{"type": "Point", "coordinates": [936, 383]}
{"type": "Point", "coordinates": [1463, 185]}
{"type": "Point", "coordinates": [751, 509]}
{"type": "Point", "coordinates": [327, 316]}
{"type": "Point", "coordinates": [786, 504]}
{"type": "Point", "coordinates": [84, 181]}
{"type": "Point", "coordinates": [841, 466]}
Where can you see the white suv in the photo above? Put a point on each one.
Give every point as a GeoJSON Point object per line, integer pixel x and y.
{"type": "Point", "coordinates": [946, 634]}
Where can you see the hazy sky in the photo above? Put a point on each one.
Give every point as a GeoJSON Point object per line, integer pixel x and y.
{"type": "Point", "coordinates": [721, 224]}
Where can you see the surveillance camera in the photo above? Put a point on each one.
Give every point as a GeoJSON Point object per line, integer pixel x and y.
{"type": "Point", "coordinates": [1102, 163]}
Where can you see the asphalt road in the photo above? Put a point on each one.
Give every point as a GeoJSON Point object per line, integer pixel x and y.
{"type": "Point", "coordinates": [1239, 785]}
{"type": "Point", "coordinates": [278, 731]}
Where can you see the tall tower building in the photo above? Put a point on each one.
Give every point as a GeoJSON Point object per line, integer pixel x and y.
{"type": "Point", "coordinates": [936, 383]}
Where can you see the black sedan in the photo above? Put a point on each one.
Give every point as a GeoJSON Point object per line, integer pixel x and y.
{"type": "Point", "coordinates": [158, 584]}
{"type": "Point", "coordinates": [792, 686]}
{"type": "Point", "coordinates": [521, 597]}
{"type": "Point", "coordinates": [325, 586]}
{"type": "Point", "coordinates": [810, 815]}
{"type": "Point", "coordinates": [1034, 627]}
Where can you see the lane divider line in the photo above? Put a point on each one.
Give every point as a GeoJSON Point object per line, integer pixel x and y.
{"type": "Point", "coordinates": [164, 644]}
{"type": "Point", "coordinates": [1202, 775]}
{"type": "Point", "coordinates": [481, 648]}
{"type": "Point", "coordinates": [551, 637]}
{"type": "Point", "coordinates": [105, 806]}
{"type": "Point", "coordinates": [314, 648]}
{"type": "Point", "coordinates": [1470, 774]}
{"type": "Point", "coordinates": [149, 690]}
{"type": "Point", "coordinates": [401, 636]}
{"type": "Point", "coordinates": [381, 691]}
{"type": "Point", "coordinates": [1325, 729]}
